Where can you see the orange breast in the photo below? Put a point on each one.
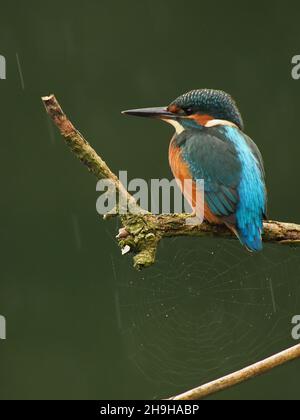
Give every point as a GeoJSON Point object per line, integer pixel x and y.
{"type": "Point", "coordinates": [181, 173]}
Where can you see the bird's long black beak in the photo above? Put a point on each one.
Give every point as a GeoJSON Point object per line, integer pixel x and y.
{"type": "Point", "coordinates": [159, 112]}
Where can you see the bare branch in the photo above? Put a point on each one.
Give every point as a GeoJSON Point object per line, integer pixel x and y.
{"type": "Point", "coordinates": [240, 376]}
{"type": "Point", "coordinates": [145, 230]}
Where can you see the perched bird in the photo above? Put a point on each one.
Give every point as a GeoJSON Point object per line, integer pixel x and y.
{"type": "Point", "coordinates": [210, 144]}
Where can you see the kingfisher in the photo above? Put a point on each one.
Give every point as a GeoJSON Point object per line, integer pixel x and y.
{"type": "Point", "coordinates": [210, 144]}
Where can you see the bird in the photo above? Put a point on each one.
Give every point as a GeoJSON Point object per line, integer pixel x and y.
{"type": "Point", "coordinates": [210, 144]}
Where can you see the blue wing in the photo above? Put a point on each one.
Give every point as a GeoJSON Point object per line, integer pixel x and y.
{"type": "Point", "coordinates": [232, 168]}
{"type": "Point", "coordinates": [215, 160]}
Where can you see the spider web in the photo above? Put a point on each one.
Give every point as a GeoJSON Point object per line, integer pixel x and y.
{"type": "Point", "coordinates": [206, 309]}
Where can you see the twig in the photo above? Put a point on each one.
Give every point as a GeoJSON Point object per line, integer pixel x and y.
{"type": "Point", "coordinates": [144, 230]}
{"type": "Point", "coordinates": [241, 375]}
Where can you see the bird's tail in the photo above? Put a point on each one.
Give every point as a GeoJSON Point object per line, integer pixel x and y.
{"type": "Point", "coordinates": [250, 237]}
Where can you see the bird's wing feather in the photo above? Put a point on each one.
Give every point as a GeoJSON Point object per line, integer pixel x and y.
{"type": "Point", "coordinates": [255, 150]}
{"type": "Point", "coordinates": [212, 158]}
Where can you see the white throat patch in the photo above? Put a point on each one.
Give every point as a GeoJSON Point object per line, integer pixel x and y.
{"type": "Point", "coordinates": [178, 127]}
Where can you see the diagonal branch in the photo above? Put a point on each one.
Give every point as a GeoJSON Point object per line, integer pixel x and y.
{"type": "Point", "coordinates": [240, 376]}
{"type": "Point", "coordinates": [143, 231]}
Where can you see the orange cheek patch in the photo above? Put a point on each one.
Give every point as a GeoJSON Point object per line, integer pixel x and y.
{"type": "Point", "coordinates": [201, 119]}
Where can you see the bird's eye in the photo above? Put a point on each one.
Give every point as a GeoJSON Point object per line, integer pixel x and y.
{"type": "Point", "coordinates": [188, 111]}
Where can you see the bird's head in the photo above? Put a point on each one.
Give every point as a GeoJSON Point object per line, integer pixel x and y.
{"type": "Point", "coordinates": [201, 107]}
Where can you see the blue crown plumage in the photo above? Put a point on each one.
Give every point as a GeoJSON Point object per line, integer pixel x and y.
{"type": "Point", "coordinates": [216, 103]}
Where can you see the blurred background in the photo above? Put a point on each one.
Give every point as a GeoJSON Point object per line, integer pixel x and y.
{"type": "Point", "coordinates": [81, 322]}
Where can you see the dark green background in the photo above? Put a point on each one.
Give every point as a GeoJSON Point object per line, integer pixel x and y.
{"type": "Point", "coordinates": [81, 323]}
